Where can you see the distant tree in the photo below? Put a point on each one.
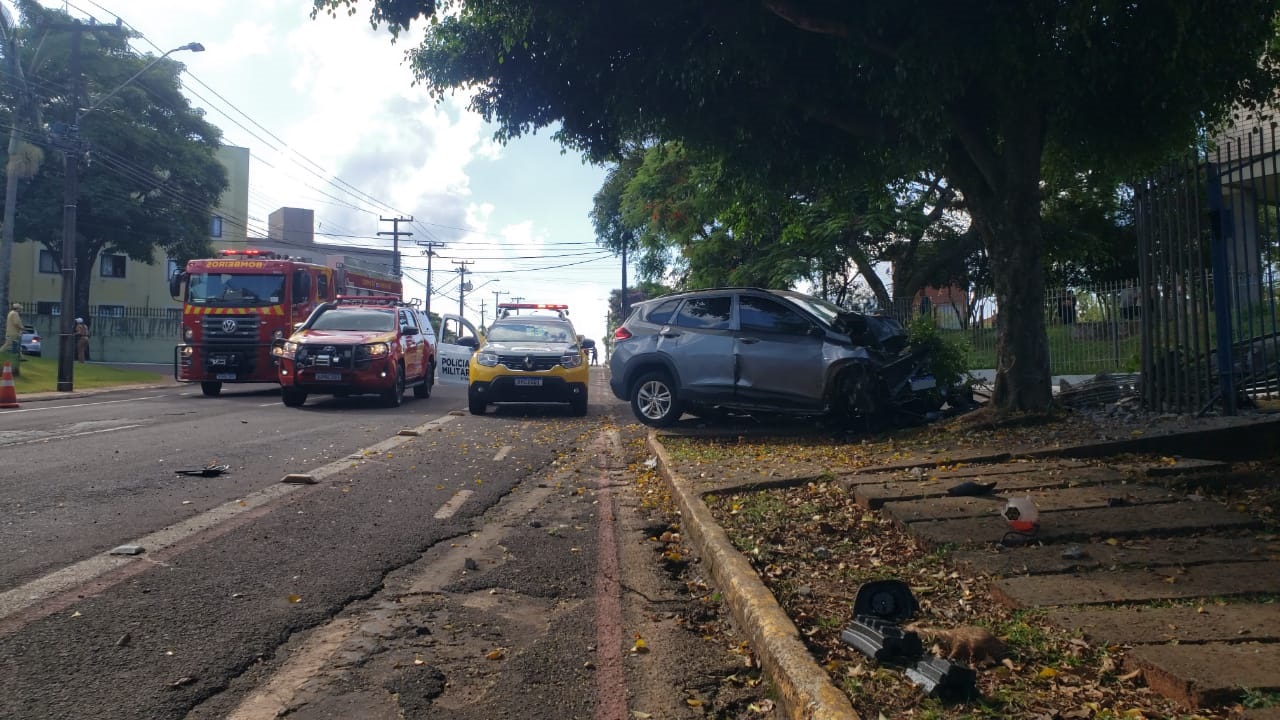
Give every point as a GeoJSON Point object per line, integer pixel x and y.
{"type": "Point", "coordinates": [984, 92]}
{"type": "Point", "coordinates": [152, 178]}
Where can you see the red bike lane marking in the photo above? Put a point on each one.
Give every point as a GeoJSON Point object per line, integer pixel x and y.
{"type": "Point", "coordinates": [611, 685]}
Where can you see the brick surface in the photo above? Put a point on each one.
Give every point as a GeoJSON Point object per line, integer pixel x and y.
{"type": "Point", "coordinates": [1185, 624]}
{"type": "Point", "coordinates": [1130, 553]}
{"type": "Point", "coordinates": [1203, 675]}
{"type": "Point", "coordinates": [1073, 525]}
{"type": "Point", "coordinates": [1139, 585]}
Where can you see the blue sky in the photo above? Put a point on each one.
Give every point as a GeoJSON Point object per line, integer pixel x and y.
{"type": "Point", "coordinates": [334, 124]}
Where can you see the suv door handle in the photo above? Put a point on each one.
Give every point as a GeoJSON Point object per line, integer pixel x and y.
{"type": "Point", "coordinates": [669, 334]}
{"type": "Point", "coordinates": [748, 340]}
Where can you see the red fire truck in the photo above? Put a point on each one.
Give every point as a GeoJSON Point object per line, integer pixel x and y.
{"type": "Point", "coordinates": [235, 305]}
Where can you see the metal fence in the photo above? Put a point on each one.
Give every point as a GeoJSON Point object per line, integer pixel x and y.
{"type": "Point", "coordinates": [1091, 329]}
{"type": "Point", "coordinates": [116, 334]}
{"type": "Point", "coordinates": [1207, 344]}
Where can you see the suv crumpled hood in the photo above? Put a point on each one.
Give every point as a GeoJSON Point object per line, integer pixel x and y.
{"type": "Point", "coordinates": [342, 337]}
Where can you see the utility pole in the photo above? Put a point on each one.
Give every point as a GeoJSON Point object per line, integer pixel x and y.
{"type": "Point", "coordinates": [70, 194]}
{"type": "Point", "coordinates": [462, 282]}
{"type": "Point", "coordinates": [395, 234]}
{"type": "Point", "coordinates": [482, 309]}
{"type": "Point", "coordinates": [496, 293]}
{"type": "Point", "coordinates": [623, 303]}
{"type": "Point", "coordinates": [430, 245]}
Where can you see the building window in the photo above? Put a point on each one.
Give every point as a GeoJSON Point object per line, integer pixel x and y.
{"type": "Point", "coordinates": [113, 311]}
{"type": "Point", "coordinates": [48, 308]}
{"type": "Point", "coordinates": [113, 265]}
{"type": "Point", "coordinates": [215, 226]}
{"type": "Point", "coordinates": [49, 262]}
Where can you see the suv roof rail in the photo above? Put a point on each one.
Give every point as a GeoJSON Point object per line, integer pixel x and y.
{"type": "Point", "coordinates": [390, 300]}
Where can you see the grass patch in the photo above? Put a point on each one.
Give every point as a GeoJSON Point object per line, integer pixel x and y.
{"type": "Point", "coordinates": [40, 374]}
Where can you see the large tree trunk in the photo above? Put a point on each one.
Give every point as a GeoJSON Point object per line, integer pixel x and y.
{"type": "Point", "coordinates": [1010, 228]}
{"type": "Point", "coordinates": [996, 164]}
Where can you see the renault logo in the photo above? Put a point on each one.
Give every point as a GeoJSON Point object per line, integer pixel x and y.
{"type": "Point", "coordinates": [528, 362]}
{"type": "Point", "coordinates": [228, 325]}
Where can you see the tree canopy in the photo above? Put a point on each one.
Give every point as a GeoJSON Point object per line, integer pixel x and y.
{"type": "Point", "coordinates": [151, 177]}
{"type": "Point", "coordinates": [981, 92]}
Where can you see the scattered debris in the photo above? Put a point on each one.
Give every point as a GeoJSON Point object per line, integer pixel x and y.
{"type": "Point", "coordinates": [298, 479]}
{"type": "Point", "coordinates": [127, 550]}
{"type": "Point", "coordinates": [1074, 552]}
{"type": "Point", "coordinates": [470, 564]}
{"type": "Point", "coordinates": [971, 488]}
{"type": "Point", "coordinates": [183, 681]}
{"type": "Point", "coordinates": [124, 640]}
{"type": "Point", "coordinates": [206, 471]}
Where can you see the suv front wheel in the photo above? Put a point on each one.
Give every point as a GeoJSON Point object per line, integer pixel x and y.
{"type": "Point", "coordinates": [654, 400]}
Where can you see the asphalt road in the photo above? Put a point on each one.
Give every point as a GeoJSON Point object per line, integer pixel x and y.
{"type": "Point", "coordinates": [439, 562]}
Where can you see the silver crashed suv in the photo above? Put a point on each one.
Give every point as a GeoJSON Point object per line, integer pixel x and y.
{"type": "Point", "coordinates": [750, 350]}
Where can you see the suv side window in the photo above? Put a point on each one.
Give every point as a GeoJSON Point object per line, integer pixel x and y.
{"type": "Point", "coordinates": [406, 320]}
{"type": "Point", "coordinates": [712, 313]}
{"type": "Point", "coordinates": [661, 315]}
{"type": "Point", "coordinates": [757, 314]}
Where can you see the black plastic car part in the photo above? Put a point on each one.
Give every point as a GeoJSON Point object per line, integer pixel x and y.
{"type": "Point", "coordinates": [885, 599]}
{"type": "Point", "coordinates": [944, 679]}
{"type": "Point", "coordinates": [882, 640]}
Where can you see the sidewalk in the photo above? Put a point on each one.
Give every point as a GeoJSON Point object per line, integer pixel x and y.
{"type": "Point", "coordinates": [1114, 566]}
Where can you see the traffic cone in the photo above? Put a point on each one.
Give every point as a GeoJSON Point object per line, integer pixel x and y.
{"type": "Point", "coordinates": [8, 395]}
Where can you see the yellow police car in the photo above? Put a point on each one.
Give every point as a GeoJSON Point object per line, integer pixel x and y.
{"type": "Point", "coordinates": [530, 354]}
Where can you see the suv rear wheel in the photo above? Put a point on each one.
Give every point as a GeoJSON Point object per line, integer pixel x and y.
{"type": "Point", "coordinates": [654, 400]}
{"type": "Point", "coordinates": [292, 397]}
{"type": "Point", "coordinates": [211, 388]}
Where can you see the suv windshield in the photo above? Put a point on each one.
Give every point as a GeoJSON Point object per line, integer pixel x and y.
{"type": "Point", "coordinates": [228, 289]}
{"type": "Point", "coordinates": [356, 319]}
{"type": "Point", "coordinates": [829, 313]}
{"type": "Point", "coordinates": [517, 331]}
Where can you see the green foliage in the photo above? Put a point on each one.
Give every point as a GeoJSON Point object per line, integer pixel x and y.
{"type": "Point", "coordinates": [155, 176]}
{"type": "Point", "coordinates": [804, 96]}
{"type": "Point", "coordinates": [949, 356]}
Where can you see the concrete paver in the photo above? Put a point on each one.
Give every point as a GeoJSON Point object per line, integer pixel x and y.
{"type": "Point", "coordinates": [1210, 622]}
{"type": "Point", "coordinates": [1075, 525]}
{"type": "Point", "coordinates": [1201, 581]}
{"type": "Point", "coordinates": [1204, 675]}
{"type": "Point", "coordinates": [1130, 553]}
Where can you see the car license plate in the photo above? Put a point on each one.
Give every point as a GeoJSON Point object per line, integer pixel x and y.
{"type": "Point", "coordinates": [529, 382]}
{"type": "Point", "coordinates": [225, 376]}
{"type": "Point", "coordinates": [329, 377]}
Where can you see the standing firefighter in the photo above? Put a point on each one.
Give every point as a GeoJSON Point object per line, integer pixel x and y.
{"type": "Point", "coordinates": [13, 334]}
{"type": "Point", "coordinates": [82, 340]}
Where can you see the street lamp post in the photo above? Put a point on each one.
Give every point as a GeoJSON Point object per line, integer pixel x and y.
{"type": "Point", "coordinates": [71, 192]}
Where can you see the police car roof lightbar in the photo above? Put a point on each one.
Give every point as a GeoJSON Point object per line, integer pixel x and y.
{"type": "Point", "coordinates": [561, 309]}
{"type": "Point", "coordinates": [370, 299]}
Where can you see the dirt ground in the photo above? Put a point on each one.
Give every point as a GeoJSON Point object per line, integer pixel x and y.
{"type": "Point", "coordinates": [814, 546]}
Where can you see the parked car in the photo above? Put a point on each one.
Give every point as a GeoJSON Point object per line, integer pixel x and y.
{"type": "Point", "coordinates": [530, 359]}
{"type": "Point", "coordinates": [30, 342]}
{"type": "Point", "coordinates": [756, 351]}
{"type": "Point", "coordinates": [355, 345]}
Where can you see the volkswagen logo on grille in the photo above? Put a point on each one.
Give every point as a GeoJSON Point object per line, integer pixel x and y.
{"type": "Point", "coordinates": [228, 325]}
{"type": "Point", "coordinates": [528, 362]}
{"type": "Point", "coordinates": [331, 349]}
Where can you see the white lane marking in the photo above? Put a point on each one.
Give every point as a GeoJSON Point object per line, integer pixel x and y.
{"type": "Point", "coordinates": [72, 435]}
{"type": "Point", "coordinates": [452, 506]}
{"type": "Point", "coordinates": [502, 453]}
{"type": "Point", "coordinates": [269, 404]}
{"type": "Point", "coordinates": [272, 699]}
{"type": "Point", "coordinates": [59, 581]}
{"type": "Point", "coordinates": [79, 405]}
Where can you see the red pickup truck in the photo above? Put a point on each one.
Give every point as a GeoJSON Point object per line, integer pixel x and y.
{"type": "Point", "coordinates": [355, 345]}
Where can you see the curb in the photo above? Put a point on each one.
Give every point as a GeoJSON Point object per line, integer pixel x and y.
{"type": "Point", "coordinates": [72, 394]}
{"type": "Point", "coordinates": [805, 691]}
